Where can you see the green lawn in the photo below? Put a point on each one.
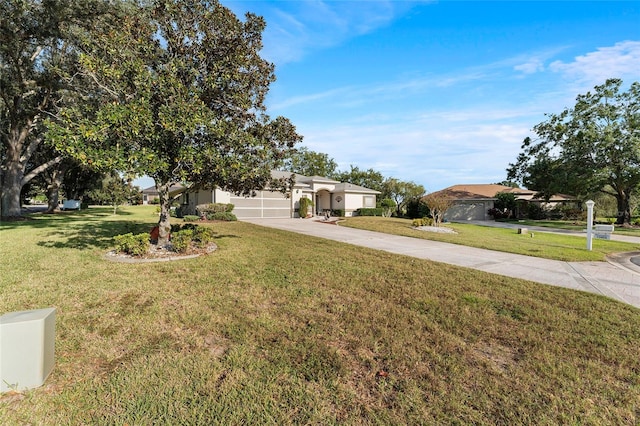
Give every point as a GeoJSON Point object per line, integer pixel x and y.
{"type": "Point", "coordinates": [545, 245]}
{"type": "Point", "coordinates": [576, 225]}
{"type": "Point", "coordinates": [280, 328]}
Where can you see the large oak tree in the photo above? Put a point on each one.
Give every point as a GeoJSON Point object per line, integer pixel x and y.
{"type": "Point", "coordinates": [594, 146]}
{"type": "Point", "coordinates": [179, 96]}
{"type": "Point", "coordinates": [36, 51]}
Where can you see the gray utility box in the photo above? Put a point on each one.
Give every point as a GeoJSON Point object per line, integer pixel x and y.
{"type": "Point", "coordinates": [27, 348]}
{"type": "Point", "coordinates": [603, 232]}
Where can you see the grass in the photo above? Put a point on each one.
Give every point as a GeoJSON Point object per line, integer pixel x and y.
{"type": "Point", "coordinates": [544, 245]}
{"type": "Point", "coordinates": [279, 328]}
{"type": "Point", "coordinates": [573, 225]}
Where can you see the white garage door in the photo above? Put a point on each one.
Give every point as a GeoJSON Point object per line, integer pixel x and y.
{"type": "Point", "coordinates": [466, 211]}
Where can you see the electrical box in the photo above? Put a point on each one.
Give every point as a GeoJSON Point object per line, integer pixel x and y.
{"type": "Point", "coordinates": [27, 348]}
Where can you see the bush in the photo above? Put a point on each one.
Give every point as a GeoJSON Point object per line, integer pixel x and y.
{"type": "Point", "coordinates": [134, 245]}
{"type": "Point", "coordinates": [206, 209]}
{"type": "Point", "coordinates": [305, 205]}
{"type": "Point", "coordinates": [191, 218]}
{"type": "Point", "coordinates": [498, 213]}
{"type": "Point", "coordinates": [202, 236]}
{"type": "Point", "coordinates": [535, 212]}
{"type": "Point", "coordinates": [370, 212]}
{"type": "Point", "coordinates": [227, 216]}
{"type": "Point", "coordinates": [424, 221]}
{"type": "Point", "coordinates": [337, 212]}
{"type": "Point", "coordinates": [181, 240]}
{"type": "Point", "coordinates": [416, 208]}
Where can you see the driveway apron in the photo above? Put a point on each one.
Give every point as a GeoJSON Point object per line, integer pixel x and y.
{"type": "Point", "coordinates": [617, 280]}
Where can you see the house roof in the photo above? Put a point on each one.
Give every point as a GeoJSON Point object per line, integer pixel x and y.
{"type": "Point", "coordinates": [173, 189]}
{"type": "Point", "coordinates": [302, 181]}
{"type": "Point", "coordinates": [489, 191]}
{"type": "Point", "coordinates": [479, 191]}
{"type": "Point", "coordinates": [349, 187]}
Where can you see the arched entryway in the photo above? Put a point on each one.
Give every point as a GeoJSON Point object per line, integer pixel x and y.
{"type": "Point", "coordinates": [323, 201]}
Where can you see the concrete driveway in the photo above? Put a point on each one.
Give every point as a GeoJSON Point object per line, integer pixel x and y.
{"type": "Point", "coordinates": [618, 279]}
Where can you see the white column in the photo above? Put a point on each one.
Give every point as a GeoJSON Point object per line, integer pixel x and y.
{"type": "Point", "coordinates": [589, 204]}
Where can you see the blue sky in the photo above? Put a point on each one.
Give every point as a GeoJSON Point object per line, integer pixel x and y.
{"type": "Point", "coordinates": [438, 93]}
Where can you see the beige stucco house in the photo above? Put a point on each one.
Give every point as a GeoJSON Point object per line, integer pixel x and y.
{"type": "Point", "coordinates": [326, 194]}
{"type": "Point", "coordinates": [473, 201]}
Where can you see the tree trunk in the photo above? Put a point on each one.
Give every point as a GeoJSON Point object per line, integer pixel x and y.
{"type": "Point", "coordinates": [53, 194]}
{"type": "Point", "coordinates": [164, 224]}
{"type": "Point", "coordinates": [54, 182]}
{"type": "Point", "coordinates": [11, 187]}
{"type": "Point", "coordinates": [624, 208]}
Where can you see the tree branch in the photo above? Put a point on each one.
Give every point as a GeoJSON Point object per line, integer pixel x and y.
{"type": "Point", "coordinates": [41, 168]}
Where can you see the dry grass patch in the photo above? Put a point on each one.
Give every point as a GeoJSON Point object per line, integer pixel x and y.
{"type": "Point", "coordinates": [278, 328]}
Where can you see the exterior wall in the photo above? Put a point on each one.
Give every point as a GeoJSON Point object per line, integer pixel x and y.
{"type": "Point", "coordinates": [353, 202]}
{"type": "Point", "coordinates": [339, 201]}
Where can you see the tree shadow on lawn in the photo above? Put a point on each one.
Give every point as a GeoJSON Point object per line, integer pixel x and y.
{"type": "Point", "coordinates": [97, 234]}
{"type": "Point", "coordinates": [41, 220]}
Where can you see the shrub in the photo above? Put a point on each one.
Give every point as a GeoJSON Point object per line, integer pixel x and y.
{"type": "Point", "coordinates": [416, 208]}
{"type": "Point", "coordinates": [206, 209]}
{"type": "Point", "coordinates": [388, 206]}
{"type": "Point", "coordinates": [498, 213]}
{"type": "Point", "coordinates": [370, 212]}
{"type": "Point", "coordinates": [424, 221]}
{"type": "Point", "coordinates": [134, 245]}
{"type": "Point", "coordinates": [338, 212]}
{"type": "Point", "coordinates": [191, 218]}
{"type": "Point", "coordinates": [230, 217]}
{"type": "Point", "coordinates": [535, 212]}
{"type": "Point", "coordinates": [202, 236]}
{"type": "Point", "coordinates": [181, 240]}
{"type": "Point", "coordinates": [305, 205]}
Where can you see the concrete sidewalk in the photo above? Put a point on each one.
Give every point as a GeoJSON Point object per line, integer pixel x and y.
{"type": "Point", "coordinates": [618, 279]}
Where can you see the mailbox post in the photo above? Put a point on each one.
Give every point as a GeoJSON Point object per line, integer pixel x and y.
{"type": "Point", "coordinates": [589, 204]}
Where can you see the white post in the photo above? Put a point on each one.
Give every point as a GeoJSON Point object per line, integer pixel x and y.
{"type": "Point", "coordinates": [589, 204]}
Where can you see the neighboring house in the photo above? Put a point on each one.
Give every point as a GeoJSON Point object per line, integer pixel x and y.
{"type": "Point", "coordinates": [149, 195]}
{"type": "Point", "coordinates": [326, 194]}
{"type": "Point", "coordinates": [473, 201]}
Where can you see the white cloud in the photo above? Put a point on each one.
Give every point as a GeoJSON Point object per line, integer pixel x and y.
{"type": "Point", "coordinates": [621, 60]}
{"type": "Point", "coordinates": [296, 27]}
{"type": "Point", "coordinates": [532, 66]}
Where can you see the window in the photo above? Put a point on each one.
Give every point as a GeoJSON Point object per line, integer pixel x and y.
{"type": "Point", "coordinates": [369, 201]}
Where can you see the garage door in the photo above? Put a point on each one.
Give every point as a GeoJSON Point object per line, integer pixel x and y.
{"type": "Point", "coordinates": [265, 204]}
{"type": "Point", "coordinates": [466, 211]}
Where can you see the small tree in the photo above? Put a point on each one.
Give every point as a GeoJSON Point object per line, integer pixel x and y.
{"type": "Point", "coordinates": [114, 191]}
{"type": "Point", "coordinates": [506, 201]}
{"type": "Point", "coordinates": [401, 192]}
{"type": "Point", "coordinates": [438, 205]}
{"type": "Point", "coordinates": [388, 206]}
{"type": "Point", "coordinates": [181, 91]}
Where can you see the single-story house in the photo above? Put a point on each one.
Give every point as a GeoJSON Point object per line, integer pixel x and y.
{"type": "Point", "coordinates": [473, 201]}
{"type": "Point", "coordinates": [326, 194]}
{"type": "Point", "coordinates": [150, 195]}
